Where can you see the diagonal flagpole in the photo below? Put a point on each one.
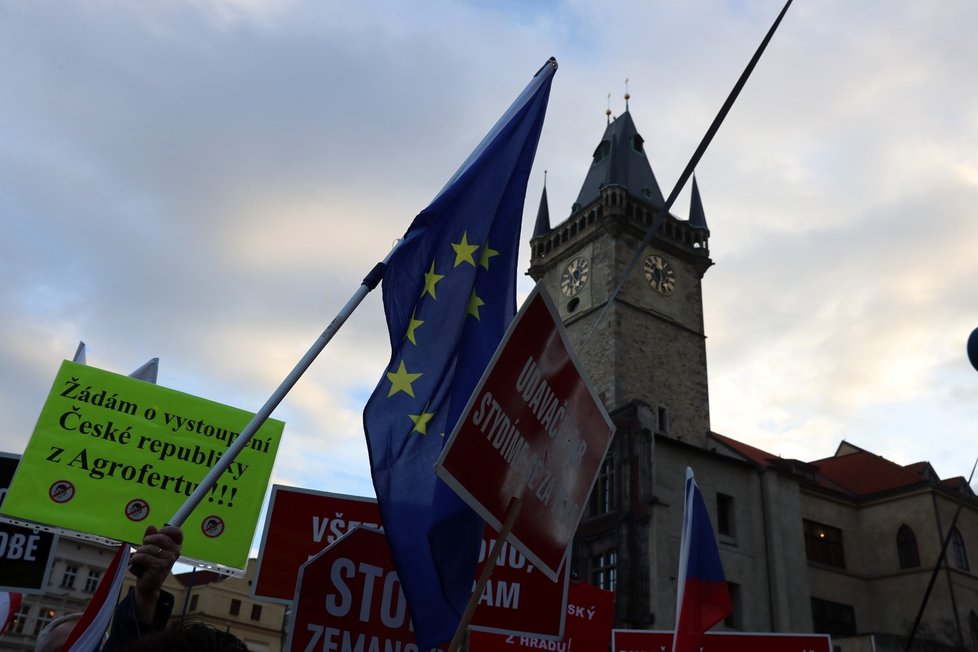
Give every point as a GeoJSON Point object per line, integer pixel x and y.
{"type": "Point", "coordinates": [261, 416]}
{"type": "Point", "coordinates": [684, 177]}
{"type": "Point", "coordinates": [369, 283]}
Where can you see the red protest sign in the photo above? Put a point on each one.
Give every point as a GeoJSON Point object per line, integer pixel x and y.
{"type": "Point", "coordinates": [301, 522]}
{"type": "Point", "coordinates": [519, 599]}
{"type": "Point", "coordinates": [348, 597]}
{"type": "Point", "coordinates": [534, 430]}
{"type": "Point", "coordinates": [590, 616]}
{"type": "Point", "coordinates": [298, 525]}
{"type": "Point", "coordinates": [635, 640]}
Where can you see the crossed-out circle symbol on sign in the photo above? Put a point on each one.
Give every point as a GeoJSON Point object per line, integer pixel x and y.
{"type": "Point", "coordinates": [137, 509]}
{"type": "Point", "coordinates": [212, 526]}
{"type": "Point", "coordinates": [61, 491]}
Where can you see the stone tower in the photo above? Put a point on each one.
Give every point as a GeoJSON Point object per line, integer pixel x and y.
{"type": "Point", "coordinates": [650, 346]}
{"type": "Point", "coordinates": [646, 357]}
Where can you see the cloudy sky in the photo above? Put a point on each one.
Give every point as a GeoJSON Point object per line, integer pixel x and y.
{"type": "Point", "coordinates": [208, 181]}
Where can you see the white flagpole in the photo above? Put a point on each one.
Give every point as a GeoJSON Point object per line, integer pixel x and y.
{"type": "Point", "coordinates": [369, 283]}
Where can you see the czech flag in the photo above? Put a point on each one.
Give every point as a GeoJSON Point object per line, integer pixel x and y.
{"type": "Point", "coordinates": [89, 631]}
{"type": "Point", "coordinates": [702, 599]}
{"type": "Point", "coordinates": [9, 604]}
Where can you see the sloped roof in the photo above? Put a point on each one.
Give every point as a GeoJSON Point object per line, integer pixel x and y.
{"type": "Point", "coordinates": [756, 455]}
{"type": "Point", "coordinates": [852, 470]}
{"type": "Point", "coordinates": [620, 159]}
{"type": "Point", "coordinates": [862, 473]}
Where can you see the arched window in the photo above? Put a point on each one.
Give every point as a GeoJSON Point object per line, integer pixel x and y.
{"type": "Point", "coordinates": [959, 554]}
{"type": "Point", "coordinates": [907, 548]}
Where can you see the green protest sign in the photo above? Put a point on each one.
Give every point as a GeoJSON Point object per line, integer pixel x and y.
{"type": "Point", "coordinates": [111, 454]}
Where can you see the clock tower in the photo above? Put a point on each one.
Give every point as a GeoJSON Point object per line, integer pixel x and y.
{"type": "Point", "coordinates": [646, 359]}
{"type": "Point", "coordinates": [650, 346]}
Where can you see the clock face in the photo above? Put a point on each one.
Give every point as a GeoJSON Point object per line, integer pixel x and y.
{"type": "Point", "coordinates": [659, 274]}
{"type": "Point", "coordinates": [575, 276]}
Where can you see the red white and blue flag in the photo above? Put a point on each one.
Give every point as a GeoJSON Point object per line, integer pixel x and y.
{"type": "Point", "coordinates": [9, 604]}
{"type": "Point", "coordinates": [90, 629]}
{"type": "Point", "coordinates": [703, 598]}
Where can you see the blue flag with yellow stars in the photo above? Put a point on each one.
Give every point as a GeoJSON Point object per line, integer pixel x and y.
{"type": "Point", "coordinates": [449, 295]}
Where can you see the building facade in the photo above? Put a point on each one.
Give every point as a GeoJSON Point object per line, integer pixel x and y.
{"type": "Point", "coordinates": [204, 596]}
{"type": "Point", "coordinates": [75, 573]}
{"type": "Point", "coordinates": [845, 545]}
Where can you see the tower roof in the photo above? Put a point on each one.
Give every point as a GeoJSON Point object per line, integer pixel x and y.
{"type": "Point", "coordinates": [620, 159]}
{"type": "Point", "coordinates": [542, 226]}
{"type": "Point", "coordinates": [697, 216]}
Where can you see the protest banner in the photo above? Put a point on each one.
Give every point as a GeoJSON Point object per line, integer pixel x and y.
{"type": "Point", "coordinates": [26, 554]}
{"type": "Point", "coordinates": [301, 522]}
{"type": "Point", "coordinates": [348, 597]}
{"type": "Point", "coordinates": [638, 640]}
{"type": "Point", "coordinates": [533, 430]}
{"type": "Point", "coordinates": [111, 454]}
{"type": "Point", "coordinates": [590, 616]}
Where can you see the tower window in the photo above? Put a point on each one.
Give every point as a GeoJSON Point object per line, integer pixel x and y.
{"type": "Point", "coordinates": [662, 420]}
{"type": "Point", "coordinates": [907, 548]}
{"type": "Point", "coordinates": [604, 570]}
{"type": "Point", "coordinates": [603, 494]}
{"type": "Point", "coordinates": [638, 144]}
{"type": "Point", "coordinates": [601, 152]}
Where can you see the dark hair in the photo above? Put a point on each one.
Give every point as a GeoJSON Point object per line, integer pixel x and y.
{"type": "Point", "coordinates": [188, 636]}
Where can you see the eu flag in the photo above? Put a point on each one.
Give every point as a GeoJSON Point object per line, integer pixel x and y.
{"type": "Point", "coordinates": [449, 294]}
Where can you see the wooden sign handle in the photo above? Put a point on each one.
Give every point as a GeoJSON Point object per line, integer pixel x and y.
{"type": "Point", "coordinates": [511, 513]}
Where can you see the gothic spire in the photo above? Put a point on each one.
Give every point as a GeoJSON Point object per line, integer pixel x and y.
{"type": "Point", "coordinates": [542, 226]}
{"type": "Point", "coordinates": [620, 160]}
{"type": "Point", "coordinates": [697, 217]}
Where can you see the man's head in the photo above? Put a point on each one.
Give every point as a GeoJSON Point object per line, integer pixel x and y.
{"type": "Point", "coordinates": [188, 636]}
{"type": "Point", "coordinates": [54, 635]}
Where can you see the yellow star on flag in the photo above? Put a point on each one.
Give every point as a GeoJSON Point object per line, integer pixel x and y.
{"type": "Point", "coordinates": [487, 253]}
{"type": "Point", "coordinates": [430, 279]}
{"type": "Point", "coordinates": [474, 304]}
{"type": "Point", "coordinates": [401, 381]}
{"type": "Point", "coordinates": [413, 325]}
{"type": "Point", "coordinates": [421, 421]}
{"type": "Point", "coordinates": [464, 251]}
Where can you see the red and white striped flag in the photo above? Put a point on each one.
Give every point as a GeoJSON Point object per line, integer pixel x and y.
{"type": "Point", "coordinates": [9, 604]}
{"type": "Point", "coordinates": [703, 598]}
{"type": "Point", "coordinates": [90, 628]}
